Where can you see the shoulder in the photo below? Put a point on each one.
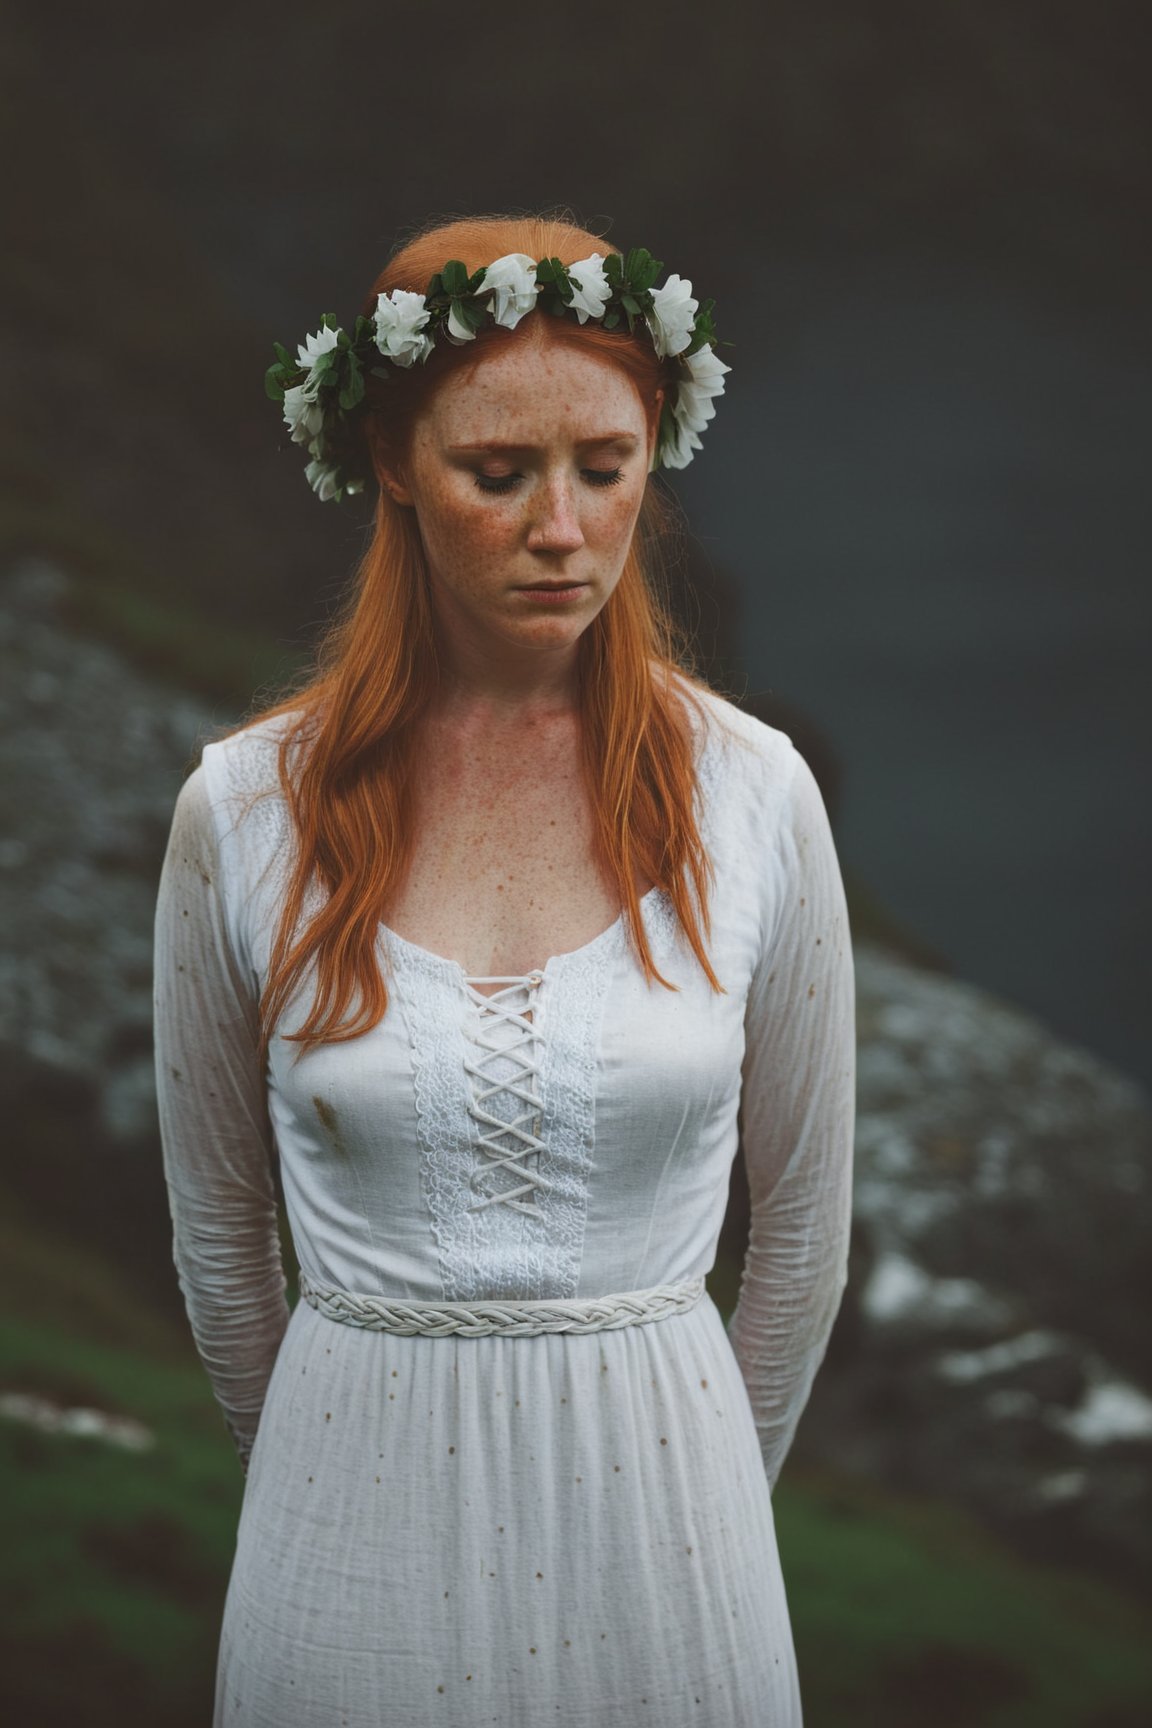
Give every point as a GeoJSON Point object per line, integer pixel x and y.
{"type": "Point", "coordinates": [241, 779]}
{"type": "Point", "coordinates": [192, 828]}
{"type": "Point", "coordinates": [735, 749]}
{"type": "Point", "coordinates": [247, 761]}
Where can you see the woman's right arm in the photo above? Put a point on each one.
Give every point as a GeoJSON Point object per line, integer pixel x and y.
{"type": "Point", "coordinates": [214, 1128]}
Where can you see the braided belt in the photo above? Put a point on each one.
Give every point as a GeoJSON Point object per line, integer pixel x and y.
{"type": "Point", "coordinates": [526, 1319]}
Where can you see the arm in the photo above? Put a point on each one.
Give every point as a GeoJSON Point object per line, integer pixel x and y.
{"type": "Point", "coordinates": [798, 1112]}
{"type": "Point", "coordinates": [214, 1129]}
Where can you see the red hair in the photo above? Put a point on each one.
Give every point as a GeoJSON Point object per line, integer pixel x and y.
{"type": "Point", "coordinates": [346, 759]}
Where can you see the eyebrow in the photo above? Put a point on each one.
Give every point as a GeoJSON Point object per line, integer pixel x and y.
{"type": "Point", "coordinates": [496, 444]}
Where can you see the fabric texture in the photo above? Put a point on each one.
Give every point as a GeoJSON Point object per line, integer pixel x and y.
{"type": "Point", "coordinates": [515, 1529]}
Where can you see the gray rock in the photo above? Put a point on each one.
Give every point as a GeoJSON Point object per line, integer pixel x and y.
{"type": "Point", "coordinates": [993, 1343]}
{"type": "Point", "coordinates": [91, 759]}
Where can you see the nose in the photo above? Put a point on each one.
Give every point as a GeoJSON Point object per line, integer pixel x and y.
{"type": "Point", "coordinates": [555, 523]}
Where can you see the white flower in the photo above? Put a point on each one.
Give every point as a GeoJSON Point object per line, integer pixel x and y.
{"type": "Point", "coordinates": [672, 316]}
{"type": "Point", "coordinates": [312, 347]}
{"type": "Point", "coordinates": [694, 405]}
{"type": "Point", "coordinates": [400, 318]}
{"type": "Point", "coordinates": [697, 393]}
{"type": "Point", "coordinates": [309, 352]}
{"type": "Point", "coordinates": [512, 282]}
{"type": "Point", "coordinates": [591, 289]}
{"type": "Point", "coordinates": [321, 476]}
{"type": "Point", "coordinates": [679, 446]}
{"type": "Point", "coordinates": [302, 414]}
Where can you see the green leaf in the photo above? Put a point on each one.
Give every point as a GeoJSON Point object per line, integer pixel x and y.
{"type": "Point", "coordinates": [329, 321]}
{"type": "Point", "coordinates": [282, 354]}
{"type": "Point", "coordinates": [644, 278]}
{"type": "Point", "coordinates": [272, 385]}
{"type": "Point", "coordinates": [353, 391]}
{"type": "Point", "coordinates": [640, 270]}
{"type": "Point", "coordinates": [629, 303]}
{"type": "Point", "coordinates": [455, 278]}
{"type": "Point", "coordinates": [468, 313]}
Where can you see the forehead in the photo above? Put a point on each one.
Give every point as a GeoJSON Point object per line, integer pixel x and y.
{"type": "Point", "coordinates": [531, 392]}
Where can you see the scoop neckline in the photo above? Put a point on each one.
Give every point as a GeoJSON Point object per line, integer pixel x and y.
{"type": "Point", "coordinates": [443, 961]}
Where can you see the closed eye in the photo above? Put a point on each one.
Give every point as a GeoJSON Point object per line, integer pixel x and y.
{"type": "Point", "coordinates": [497, 482]}
{"type": "Point", "coordinates": [506, 482]}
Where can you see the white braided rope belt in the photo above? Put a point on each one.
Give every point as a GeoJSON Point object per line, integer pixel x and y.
{"type": "Point", "coordinates": [527, 1319]}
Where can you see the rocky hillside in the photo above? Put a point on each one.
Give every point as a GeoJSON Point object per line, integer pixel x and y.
{"type": "Point", "coordinates": [991, 1347]}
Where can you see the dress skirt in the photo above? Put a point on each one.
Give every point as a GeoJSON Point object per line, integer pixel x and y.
{"type": "Point", "coordinates": [505, 1529]}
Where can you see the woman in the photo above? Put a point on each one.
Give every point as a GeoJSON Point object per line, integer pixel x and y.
{"type": "Point", "coordinates": [488, 933]}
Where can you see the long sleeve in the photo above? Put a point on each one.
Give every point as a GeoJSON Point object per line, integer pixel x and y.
{"type": "Point", "coordinates": [798, 1121]}
{"type": "Point", "coordinates": [215, 1133]}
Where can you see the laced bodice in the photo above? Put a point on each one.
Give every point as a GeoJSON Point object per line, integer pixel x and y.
{"type": "Point", "coordinates": [538, 1138]}
{"type": "Point", "coordinates": [506, 1106]}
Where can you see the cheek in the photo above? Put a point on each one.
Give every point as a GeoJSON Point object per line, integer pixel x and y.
{"type": "Point", "coordinates": [617, 513]}
{"type": "Point", "coordinates": [466, 532]}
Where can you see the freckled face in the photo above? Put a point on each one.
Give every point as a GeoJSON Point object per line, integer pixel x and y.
{"type": "Point", "coordinates": [527, 475]}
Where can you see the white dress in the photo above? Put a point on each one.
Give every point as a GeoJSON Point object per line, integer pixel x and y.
{"type": "Point", "coordinates": [506, 1529]}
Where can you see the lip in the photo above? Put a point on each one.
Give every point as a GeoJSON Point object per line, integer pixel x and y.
{"type": "Point", "coordinates": [553, 593]}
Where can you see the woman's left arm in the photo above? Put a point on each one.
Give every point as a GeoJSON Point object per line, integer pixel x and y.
{"type": "Point", "coordinates": [216, 1137]}
{"type": "Point", "coordinates": [798, 1121]}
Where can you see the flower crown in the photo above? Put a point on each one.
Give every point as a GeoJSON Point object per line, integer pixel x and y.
{"type": "Point", "coordinates": [324, 384]}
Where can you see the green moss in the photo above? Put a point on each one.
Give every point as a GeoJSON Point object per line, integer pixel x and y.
{"type": "Point", "coordinates": [114, 1563]}
{"type": "Point", "coordinates": [905, 1613]}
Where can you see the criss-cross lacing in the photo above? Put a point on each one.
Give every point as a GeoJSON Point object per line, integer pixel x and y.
{"type": "Point", "coordinates": [506, 1035]}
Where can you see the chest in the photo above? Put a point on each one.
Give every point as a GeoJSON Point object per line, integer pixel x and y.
{"type": "Point", "coordinates": [503, 872]}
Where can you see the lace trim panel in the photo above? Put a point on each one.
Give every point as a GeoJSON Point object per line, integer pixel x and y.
{"type": "Point", "coordinates": [506, 1143]}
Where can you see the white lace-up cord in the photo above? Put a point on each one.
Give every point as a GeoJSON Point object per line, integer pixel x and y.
{"type": "Point", "coordinates": [530, 1319]}
{"type": "Point", "coordinates": [506, 1144]}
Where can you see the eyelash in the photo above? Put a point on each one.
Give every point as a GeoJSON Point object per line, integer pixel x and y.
{"type": "Point", "coordinates": [506, 482]}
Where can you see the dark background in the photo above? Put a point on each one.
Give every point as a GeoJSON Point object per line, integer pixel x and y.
{"type": "Point", "coordinates": [925, 495]}
{"type": "Point", "coordinates": [921, 536]}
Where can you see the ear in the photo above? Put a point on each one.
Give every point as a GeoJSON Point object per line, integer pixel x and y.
{"type": "Point", "coordinates": [393, 482]}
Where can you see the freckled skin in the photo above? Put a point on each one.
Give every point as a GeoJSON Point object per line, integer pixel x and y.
{"type": "Point", "coordinates": [503, 871]}
{"type": "Point", "coordinates": [556, 522]}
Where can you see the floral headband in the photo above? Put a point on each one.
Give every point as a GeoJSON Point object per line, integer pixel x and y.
{"type": "Point", "coordinates": [324, 384]}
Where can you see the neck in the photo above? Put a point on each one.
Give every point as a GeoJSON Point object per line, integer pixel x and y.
{"type": "Point", "coordinates": [504, 679]}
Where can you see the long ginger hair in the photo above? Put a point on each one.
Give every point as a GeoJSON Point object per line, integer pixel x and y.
{"type": "Point", "coordinates": [346, 757]}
